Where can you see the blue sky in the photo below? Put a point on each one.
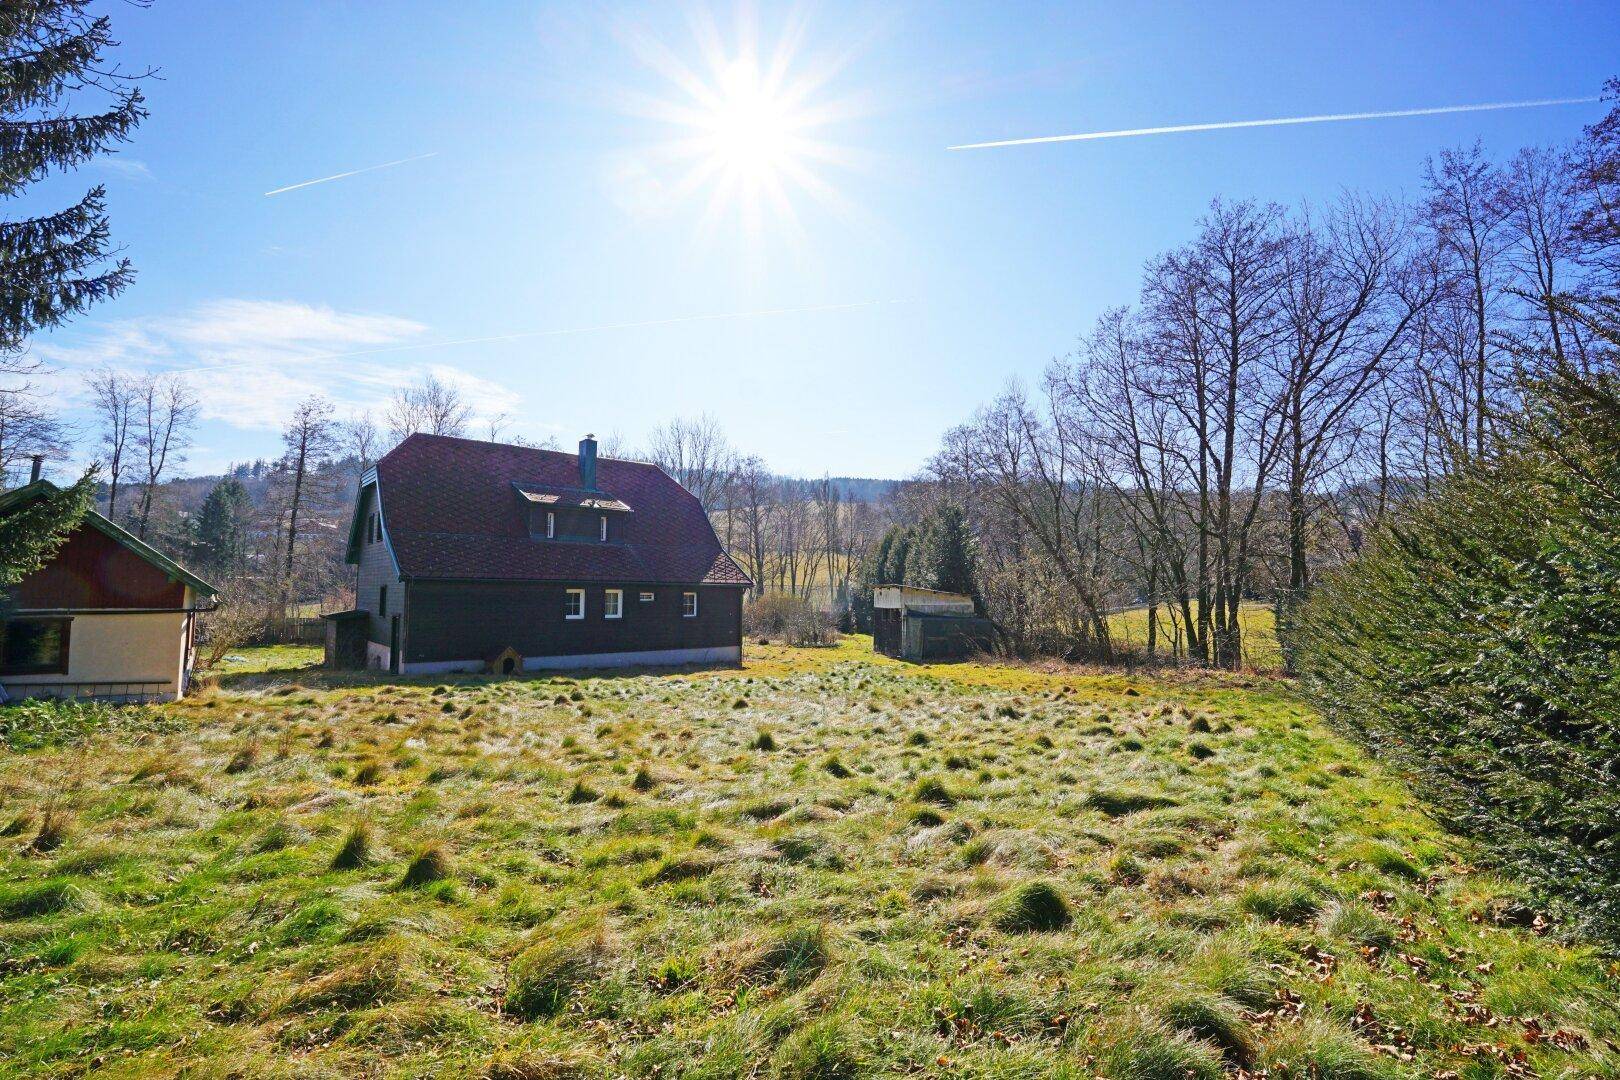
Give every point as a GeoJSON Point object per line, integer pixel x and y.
{"type": "Point", "coordinates": [568, 189]}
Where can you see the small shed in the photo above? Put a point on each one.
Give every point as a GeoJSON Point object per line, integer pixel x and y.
{"type": "Point", "coordinates": [925, 624]}
{"type": "Point", "coordinates": [346, 640]}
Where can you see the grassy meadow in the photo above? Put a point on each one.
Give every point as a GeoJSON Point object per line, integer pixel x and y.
{"type": "Point", "coordinates": [823, 865]}
{"type": "Point", "coordinates": [1256, 617]}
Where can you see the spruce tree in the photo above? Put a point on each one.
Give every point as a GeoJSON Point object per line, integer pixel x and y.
{"type": "Point", "coordinates": [949, 563]}
{"type": "Point", "coordinates": [56, 265]}
{"type": "Point", "coordinates": [220, 542]}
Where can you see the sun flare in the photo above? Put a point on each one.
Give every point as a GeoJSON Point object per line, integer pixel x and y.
{"type": "Point", "coordinates": [751, 128]}
{"type": "Point", "coordinates": [748, 123]}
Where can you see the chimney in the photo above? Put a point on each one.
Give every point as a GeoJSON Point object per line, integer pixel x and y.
{"type": "Point", "coordinates": [39, 467]}
{"type": "Point", "coordinates": [587, 462]}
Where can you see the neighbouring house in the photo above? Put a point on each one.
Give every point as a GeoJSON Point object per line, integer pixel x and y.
{"type": "Point", "coordinates": [480, 556]}
{"type": "Point", "coordinates": [109, 616]}
{"type": "Point", "coordinates": [925, 624]}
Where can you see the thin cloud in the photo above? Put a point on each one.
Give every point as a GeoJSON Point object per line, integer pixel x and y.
{"type": "Point", "coordinates": [351, 172]}
{"type": "Point", "coordinates": [524, 335]}
{"type": "Point", "coordinates": [1224, 125]}
{"type": "Point", "coordinates": [244, 357]}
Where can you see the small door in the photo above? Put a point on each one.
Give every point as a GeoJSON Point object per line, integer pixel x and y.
{"type": "Point", "coordinates": [394, 659]}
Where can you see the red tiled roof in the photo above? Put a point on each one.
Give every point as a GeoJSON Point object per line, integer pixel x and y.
{"type": "Point", "coordinates": [452, 510]}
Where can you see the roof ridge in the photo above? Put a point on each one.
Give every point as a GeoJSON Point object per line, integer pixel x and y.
{"type": "Point", "coordinates": [518, 446]}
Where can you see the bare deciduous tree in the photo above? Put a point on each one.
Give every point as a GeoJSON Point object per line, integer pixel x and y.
{"type": "Point", "coordinates": [696, 453]}
{"type": "Point", "coordinates": [431, 407]}
{"type": "Point", "coordinates": [165, 414]}
{"type": "Point", "coordinates": [360, 440]}
{"type": "Point", "coordinates": [114, 394]}
{"type": "Point", "coordinates": [308, 442]}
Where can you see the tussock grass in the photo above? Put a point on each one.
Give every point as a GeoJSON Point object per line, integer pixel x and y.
{"type": "Point", "coordinates": [431, 863]}
{"type": "Point", "coordinates": [543, 977]}
{"type": "Point", "coordinates": [1032, 906]}
{"type": "Point", "coordinates": [355, 850]}
{"type": "Point", "coordinates": [873, 869]}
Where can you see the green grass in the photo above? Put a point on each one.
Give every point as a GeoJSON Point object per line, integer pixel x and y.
{"type": "Point", "coordinates": [258, 659]}
{"type": "Point", "coordinates": [1258, 620]}
{"type": "Point", "coordinates": [308, 875]}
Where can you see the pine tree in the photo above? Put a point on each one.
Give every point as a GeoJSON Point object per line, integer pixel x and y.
{"type": "Point", "coordinates": [55, 266]}
{"type": "Point", "coordinates": [946, 561]}
{"type": "Point", "coordinates": [220, 543]}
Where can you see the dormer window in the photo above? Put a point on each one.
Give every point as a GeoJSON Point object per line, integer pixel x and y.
{"type": "Point", "coordinates": [569, 514]}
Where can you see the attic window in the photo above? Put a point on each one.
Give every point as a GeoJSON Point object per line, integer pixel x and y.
{"type": "Point", "coordinates": [551, 525]}
{"type": "Point", "coordinates": [604, 528]}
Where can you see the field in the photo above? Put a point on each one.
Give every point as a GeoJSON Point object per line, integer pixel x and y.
{"type": "Point", "coordinates": [823, 865]}
{"type": "Point", "coordinates": [1258, 620]}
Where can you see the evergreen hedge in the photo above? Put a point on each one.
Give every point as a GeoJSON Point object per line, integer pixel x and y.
{"type": "Point", "coordinates": [1475, 645]}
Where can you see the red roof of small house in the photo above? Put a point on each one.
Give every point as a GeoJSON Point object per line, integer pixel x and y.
{"type": "Point", "coordinates": [456, 509]}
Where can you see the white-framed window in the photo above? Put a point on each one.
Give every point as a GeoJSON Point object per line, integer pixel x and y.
{"type": "Point", "coordinates": [646, 598]}
{"type": "Point", "coordinates": [604, 528]}
{"type": "Point", "coordinates": [551, 525]}
{"type": "Point", "coordinates": [575, 607]}
{"type": "Point", "coordinates": [689, 605]}
{"type": "Point", "coordinates": [612, 603]}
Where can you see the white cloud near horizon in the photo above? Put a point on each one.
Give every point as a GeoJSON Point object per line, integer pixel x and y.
{"type": "Point", "coordinates": [1224, 125]}
{"type": "Point", "coordinates": [252, 361]}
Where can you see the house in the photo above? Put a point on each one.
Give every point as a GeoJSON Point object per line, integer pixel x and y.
{"type": "Point", "coordinates": [108, 617]}
{"type": "Point", "coordinates": [480, 556]}
{"type": "Point", "coordinates": [925, 624]}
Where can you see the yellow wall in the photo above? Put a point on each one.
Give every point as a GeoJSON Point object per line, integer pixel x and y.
{"type": "Point", "coordinates": [122, 648]}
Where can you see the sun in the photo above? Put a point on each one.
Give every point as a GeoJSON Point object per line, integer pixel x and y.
{"type": "Point", "coordinates": [748, 123]}
{"type": "Point", "coordinates": [751, 127]}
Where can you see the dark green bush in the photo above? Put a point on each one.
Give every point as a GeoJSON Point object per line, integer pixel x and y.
{"type": "Point", "coordinates": [1475, 645]}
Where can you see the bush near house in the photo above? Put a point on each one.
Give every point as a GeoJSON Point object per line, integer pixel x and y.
{"type": "Point", "coordinates": [1476, 646]}
{"type": "Point", "coordinates": [789, 618]}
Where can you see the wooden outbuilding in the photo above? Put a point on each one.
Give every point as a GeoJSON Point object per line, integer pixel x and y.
{"type": "Point", "coordinates": [925, 624]}
{"type": "Point", "coordinates": [107, 617]}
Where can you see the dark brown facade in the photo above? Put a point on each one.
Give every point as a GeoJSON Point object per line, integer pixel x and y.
{"type": "Point", "coordinates": [456, 620]}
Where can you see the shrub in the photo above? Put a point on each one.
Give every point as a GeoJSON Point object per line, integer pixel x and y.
{"type": "Point", "coordinates": [1475, 646]}
{"type": "Point", "coordinates": [791, 618]}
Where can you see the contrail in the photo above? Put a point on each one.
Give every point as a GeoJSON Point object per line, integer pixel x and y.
{"type": "Point", "coordinates": [1325, 119]}
{"type": "Point", "coordinates": [562, 332]}
{"type": "Point", "coordinates": [351, 172]}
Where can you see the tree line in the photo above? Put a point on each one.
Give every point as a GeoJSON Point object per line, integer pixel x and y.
{"type": "Point", "coordinates": [1283, 381]}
